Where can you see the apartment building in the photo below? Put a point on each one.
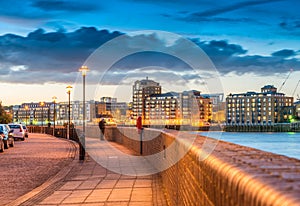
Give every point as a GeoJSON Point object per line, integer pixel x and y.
{"type": "Point", "coordinates": [141, 90]}
{"type": "Point", "coordinates": [258, 108]}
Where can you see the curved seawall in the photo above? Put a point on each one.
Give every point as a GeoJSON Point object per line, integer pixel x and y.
{"type": "Point", "coordinates": [230, 175]}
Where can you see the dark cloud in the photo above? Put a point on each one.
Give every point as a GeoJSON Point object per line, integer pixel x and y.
{"type": "Point", "coordinates": [225, 9]}
{"type": "Point", "coordinates": [50, 53]}
{"type": "Point", "coordinates": [173, 2]}
{"type": "Point", "coordinates": [226, 48]}
{"type": "Point", "coordinates": [233, 58]}
{"type": "Point", "coordinates": [226, 57]}
{"type": "Point", "coordinates": [41, 10]}
{"type": "Point", "coordinates": [220, 51]}
{"type": "Point", "coordinates": [290, 25]}
{"type": "Point", "coordinates": [147, 58]}
{"type": "Point", "coordinates": [59, 5]}
{"type": "Point", "coordinates": [284, 53]}
{"type": "Point", "coordinates": [56, 56]}
{"type": "Point", "coordinates": [259, 65]}
{"type": "Point", "coordinates": [194, 18]}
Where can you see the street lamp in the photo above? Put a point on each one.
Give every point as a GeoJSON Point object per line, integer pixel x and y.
{"type": "Point", "coordinates": [54, 114]}
{"type": "Point", "coordinates": [83, 70]}
{"type": "Point", "coordinates": [26, 109]}
{"type": "Point", "coordinates": [69, 88]}
{"type": "Point", "coordinates": [42, 105]}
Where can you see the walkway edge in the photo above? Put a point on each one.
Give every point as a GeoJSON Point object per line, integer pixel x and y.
{"type": "Point", "coordinates": [52, 180]}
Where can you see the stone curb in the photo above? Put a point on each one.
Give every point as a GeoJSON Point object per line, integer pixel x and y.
{"type": "Point", "coordinates": [53, 182]}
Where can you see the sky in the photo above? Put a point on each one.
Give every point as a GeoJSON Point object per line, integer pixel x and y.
{"type": "Point", "coordinates": [244, 46]}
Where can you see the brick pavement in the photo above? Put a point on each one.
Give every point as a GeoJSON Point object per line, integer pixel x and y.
{"type": "Point", "coordinates": [88, 183]}
{"type": "Point", "coordinates": [30, 163]}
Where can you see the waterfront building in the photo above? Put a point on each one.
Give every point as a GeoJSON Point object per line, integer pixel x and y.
{"type": "Point", "coordinates": [109, 107]}
{"type": "Point", "coordinates": [37, 113]}
{"type": "Point", "coordinates": [258, 108]}
{"type": "Point", "coordinates": [141, 90]}
{"type": "Point", "coordinates": [218, 107]}
{"type": "Point", "coordinates": [162, 109]}
{"type": "Point", "coordinates": [297, 109]}
{"type": "Point", "coordinates": [196, 110]}
{"type": "Point", "coordinates": [186, 108]}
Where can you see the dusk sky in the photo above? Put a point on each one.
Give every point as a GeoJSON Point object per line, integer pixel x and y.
{"type": "Point", "coordinates": [43, 43]}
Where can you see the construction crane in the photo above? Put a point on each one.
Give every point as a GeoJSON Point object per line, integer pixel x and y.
{"type": "Point", "coordinates": [291, 70]}
{"type": "Point", "coordinates": [296, 89]}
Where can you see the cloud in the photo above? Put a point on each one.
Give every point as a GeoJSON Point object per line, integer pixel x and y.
{"type": "Point", "coordinates": [284, 53]}
{"type": "Point", "coordinates": [225, 9]}
{"type": "Point", "coordinates": [42, 57]}
{"type": "Point", "coordinates": [49, 54]}
{"type": "Point", "coordinates": [290, 25]}
{"type": "Point", "coordinates": [236, 6]}
{"type": "Point", "coordinates": [59, 5]}
{"type": "Point", "coordinates": [230, 58]}
{"type": "Point", "coordinates": [39, 10]}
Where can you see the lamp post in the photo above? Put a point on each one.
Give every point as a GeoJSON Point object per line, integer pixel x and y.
{"type": "Point", "coordinates": [83, 70]}
{"type": "Point", "coordinates": [42, 105]}
{"type": "Point", "coordinates": [26, 109]}
{"type": "Point", "coordinates": [54, 114]}
{"type": "Point", "coordinates": [69, 88]}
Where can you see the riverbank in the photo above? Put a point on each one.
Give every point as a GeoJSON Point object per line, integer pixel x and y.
{"type": "Point", "coordinates": [283, 143]}
{"type": "Point", "coordinates": [283, 127]}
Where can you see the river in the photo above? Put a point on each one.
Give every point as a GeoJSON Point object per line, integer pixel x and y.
{"type": "Point", "coordinates": [287, 144]}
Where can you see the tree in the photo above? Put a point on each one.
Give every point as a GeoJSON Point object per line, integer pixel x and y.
{"type": "Point", "coordinates": [5, 118]}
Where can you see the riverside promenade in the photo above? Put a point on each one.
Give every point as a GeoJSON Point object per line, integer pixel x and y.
{"type": "Point", "coordinates": [88, 183]}
{"type": "Point", "coordinates": [174, 168]}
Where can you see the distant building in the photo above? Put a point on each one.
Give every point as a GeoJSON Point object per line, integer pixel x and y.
{"type": "Point", "coordinates": [258, 108]}
{"type": "Point", "coordinates": [141, 90]}
{"type": "Point", "coordinates": [297, 109]}
{"type": "Point", "coordinates": [196, 110]}
{"type": "Point", "coordinates": [109, 107]}
{"type": "Point", "coordinates": [35, 113]}
{"type": "Point", "coordinates": [218, 107]}
{"type": "Point", "coordinates": [161, 109]}
{"type": "Point", "coordinates": [186, 108]}
{"type": "Point", "coordinates": [108, 99]}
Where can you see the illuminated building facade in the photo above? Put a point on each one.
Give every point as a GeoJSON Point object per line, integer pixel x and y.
{"type": "Point", "coordinates": [253, 108]}
{"type": "Point", "coordinates": [196, 110]}
{"type": "Point", "coordinates": [141, 90]}
{"type": "Point", "coordinates": [161, 109]}
{"type": "Point", "coordinates": [42, 114]}
{"type": "Point", "coordinates": [186, 108]}
{"type": "Point", "coordinates": [109, 107]}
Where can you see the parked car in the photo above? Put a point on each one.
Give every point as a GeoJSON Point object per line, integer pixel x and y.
{"type": "Point", "coordinates": [1, 143]}
{"type": "Point", "coordinates": [26, 131]}
{"type": "Point", "coordinates": [8, 137]}
{"type": "Point", "coordinates": [18, 131]}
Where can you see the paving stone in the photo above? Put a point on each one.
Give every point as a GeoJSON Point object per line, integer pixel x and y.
{"type": "Point", "coordinates": [89, 184]}
{"type": "Point", "coordinates": [125, 183]}
{"type": "Point", "coordinates": [72, 185]}
{"type": "Point", "coordinates": [120, 195]}
{"type": "Point", "coordinates": [32, 162]}
{"type": "Point", "coordinates": [99, 195]}
{"type": "Point", "coordinates": [143, 183]}
{"type": "Point", "coordinates": [57, 197]}
{"type": "Point", "coordinates": [107, 184]}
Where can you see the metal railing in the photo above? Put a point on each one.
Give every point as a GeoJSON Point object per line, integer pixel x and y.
{"type": "Point", "coordinates": [60, 132]}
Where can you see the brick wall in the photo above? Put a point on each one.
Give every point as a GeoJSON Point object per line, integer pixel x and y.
{"type": "Point", "coordinates": [230, 175]}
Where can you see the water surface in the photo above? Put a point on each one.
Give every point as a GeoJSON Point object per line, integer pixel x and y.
{"type": "Point", "coordinates": [287, 144]}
